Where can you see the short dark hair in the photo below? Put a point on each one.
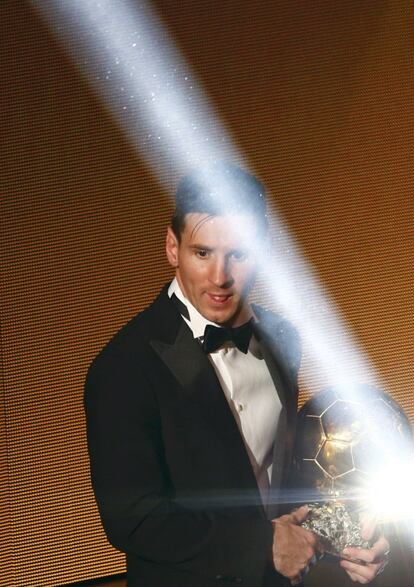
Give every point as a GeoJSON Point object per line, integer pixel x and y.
{"type": "Point", "coordinates": [219, 189]}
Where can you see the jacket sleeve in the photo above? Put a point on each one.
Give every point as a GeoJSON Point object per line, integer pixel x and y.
{"type": "Point", "coordinates": [134, 492]}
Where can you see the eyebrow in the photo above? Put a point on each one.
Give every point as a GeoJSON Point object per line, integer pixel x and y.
{"type": "Point", "coordinates": [204, 247]}
{"type": "Point", "coordinates": [198, 247]}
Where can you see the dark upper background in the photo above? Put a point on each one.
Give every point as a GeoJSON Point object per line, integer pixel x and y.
{"type": "Point", "coordinates": [317, 95]}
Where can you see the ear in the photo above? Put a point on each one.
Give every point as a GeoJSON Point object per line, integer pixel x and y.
{"type": "Point", "coordinates": [171, 247]}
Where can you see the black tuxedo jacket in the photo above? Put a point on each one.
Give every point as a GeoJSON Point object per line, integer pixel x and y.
{"type": "Point", "coordinates": [172, 479]}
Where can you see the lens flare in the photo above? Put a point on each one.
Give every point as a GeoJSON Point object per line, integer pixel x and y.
{"type": "Point", "coordinates": [389, 496]}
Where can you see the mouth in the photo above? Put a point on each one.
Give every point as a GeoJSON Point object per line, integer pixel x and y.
{"type": "Point", "coordinates": [219, 299]}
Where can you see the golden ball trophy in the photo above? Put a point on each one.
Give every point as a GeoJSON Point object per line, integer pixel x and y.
{"type": "Point", "coordinates": [344, 438]}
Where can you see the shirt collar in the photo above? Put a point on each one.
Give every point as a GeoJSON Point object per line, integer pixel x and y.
{"type": "Point", "coordinates": [197, 323]}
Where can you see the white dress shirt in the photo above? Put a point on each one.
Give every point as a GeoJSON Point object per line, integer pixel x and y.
{"type": "Point", "coordinates": [249, 390]}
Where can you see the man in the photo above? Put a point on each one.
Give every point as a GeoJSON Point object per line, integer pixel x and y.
{"type": "Point", "coordinates": [191, 410]}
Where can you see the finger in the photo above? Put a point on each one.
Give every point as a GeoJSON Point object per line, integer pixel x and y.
{"type": "Point", "coordinates": [355, 571]}
{"type": "Point", "coordinates": [362, 573]}
{"type": "Point", "coordinates": [284, 518]}
{"type": "Point", "coordinates": [381, 547]}
{"type": "Point", "coordinates": [368, 526]}
{"type": "Point", "coordinates": [376, 553]}
{"type": "Point", "coordinates": [298, 516]}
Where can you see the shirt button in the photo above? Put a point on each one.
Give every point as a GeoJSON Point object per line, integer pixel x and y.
{"type": "Point", "coordinates": [240, 407]}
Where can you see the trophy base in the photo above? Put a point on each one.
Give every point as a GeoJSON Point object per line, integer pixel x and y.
{"type": "Point", "coordinates": [336, 526]}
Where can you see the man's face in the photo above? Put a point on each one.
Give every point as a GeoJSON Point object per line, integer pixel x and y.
{"type": "Point", "coordinates": [216, 264]}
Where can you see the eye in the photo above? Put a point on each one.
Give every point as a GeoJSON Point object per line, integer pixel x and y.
{"type": "Point", "coordinates": [239, 255]}
{"type": "Point", "coordinates": [202, 253]}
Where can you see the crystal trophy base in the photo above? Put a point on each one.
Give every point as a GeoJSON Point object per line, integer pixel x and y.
{"type": "Point", "coordinates": [336, 526]}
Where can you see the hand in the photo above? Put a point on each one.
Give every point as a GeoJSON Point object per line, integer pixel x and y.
{"type": "Point", "coordinates": [293, 546]}
{"type": "Point", "coordinates": [369, 562]}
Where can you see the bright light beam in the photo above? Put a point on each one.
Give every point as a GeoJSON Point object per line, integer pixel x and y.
{"type": "Point", "coordinates": [133, 65]}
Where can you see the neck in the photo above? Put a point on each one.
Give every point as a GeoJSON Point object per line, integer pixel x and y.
{"type": "Point", "coordinates": [240, 318]}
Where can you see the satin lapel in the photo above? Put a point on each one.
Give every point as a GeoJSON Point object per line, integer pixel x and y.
{"type": "Point", "coordinates": [284, 434]}
{"type": "Point", "coordinates": [277, 366]}
{"type": "Point", "coordinates": [192, 369]}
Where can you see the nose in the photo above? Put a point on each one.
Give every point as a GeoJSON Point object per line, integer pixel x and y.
{"type": "Point", "coordinates": [220, 274]}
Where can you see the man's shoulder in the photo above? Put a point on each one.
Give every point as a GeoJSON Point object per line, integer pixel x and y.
{"type": "Point", "coordinates": [282, 334]}
{"type": "Point", "coordinates": [275, 324]}
{"type": "Point", "coordinates": [133, 338]}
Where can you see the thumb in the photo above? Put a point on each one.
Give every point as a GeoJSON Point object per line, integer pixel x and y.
{"type": "Point", "coordinates": [368, 526]}
{"type": "Point", "coordinates": [298, 516]}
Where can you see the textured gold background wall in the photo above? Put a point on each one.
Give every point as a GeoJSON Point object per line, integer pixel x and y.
{"type": "Point", "coordinates": [319, 95]}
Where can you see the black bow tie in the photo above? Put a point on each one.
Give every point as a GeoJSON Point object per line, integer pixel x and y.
{"type": "Point", "coordinates": [215, 337]}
